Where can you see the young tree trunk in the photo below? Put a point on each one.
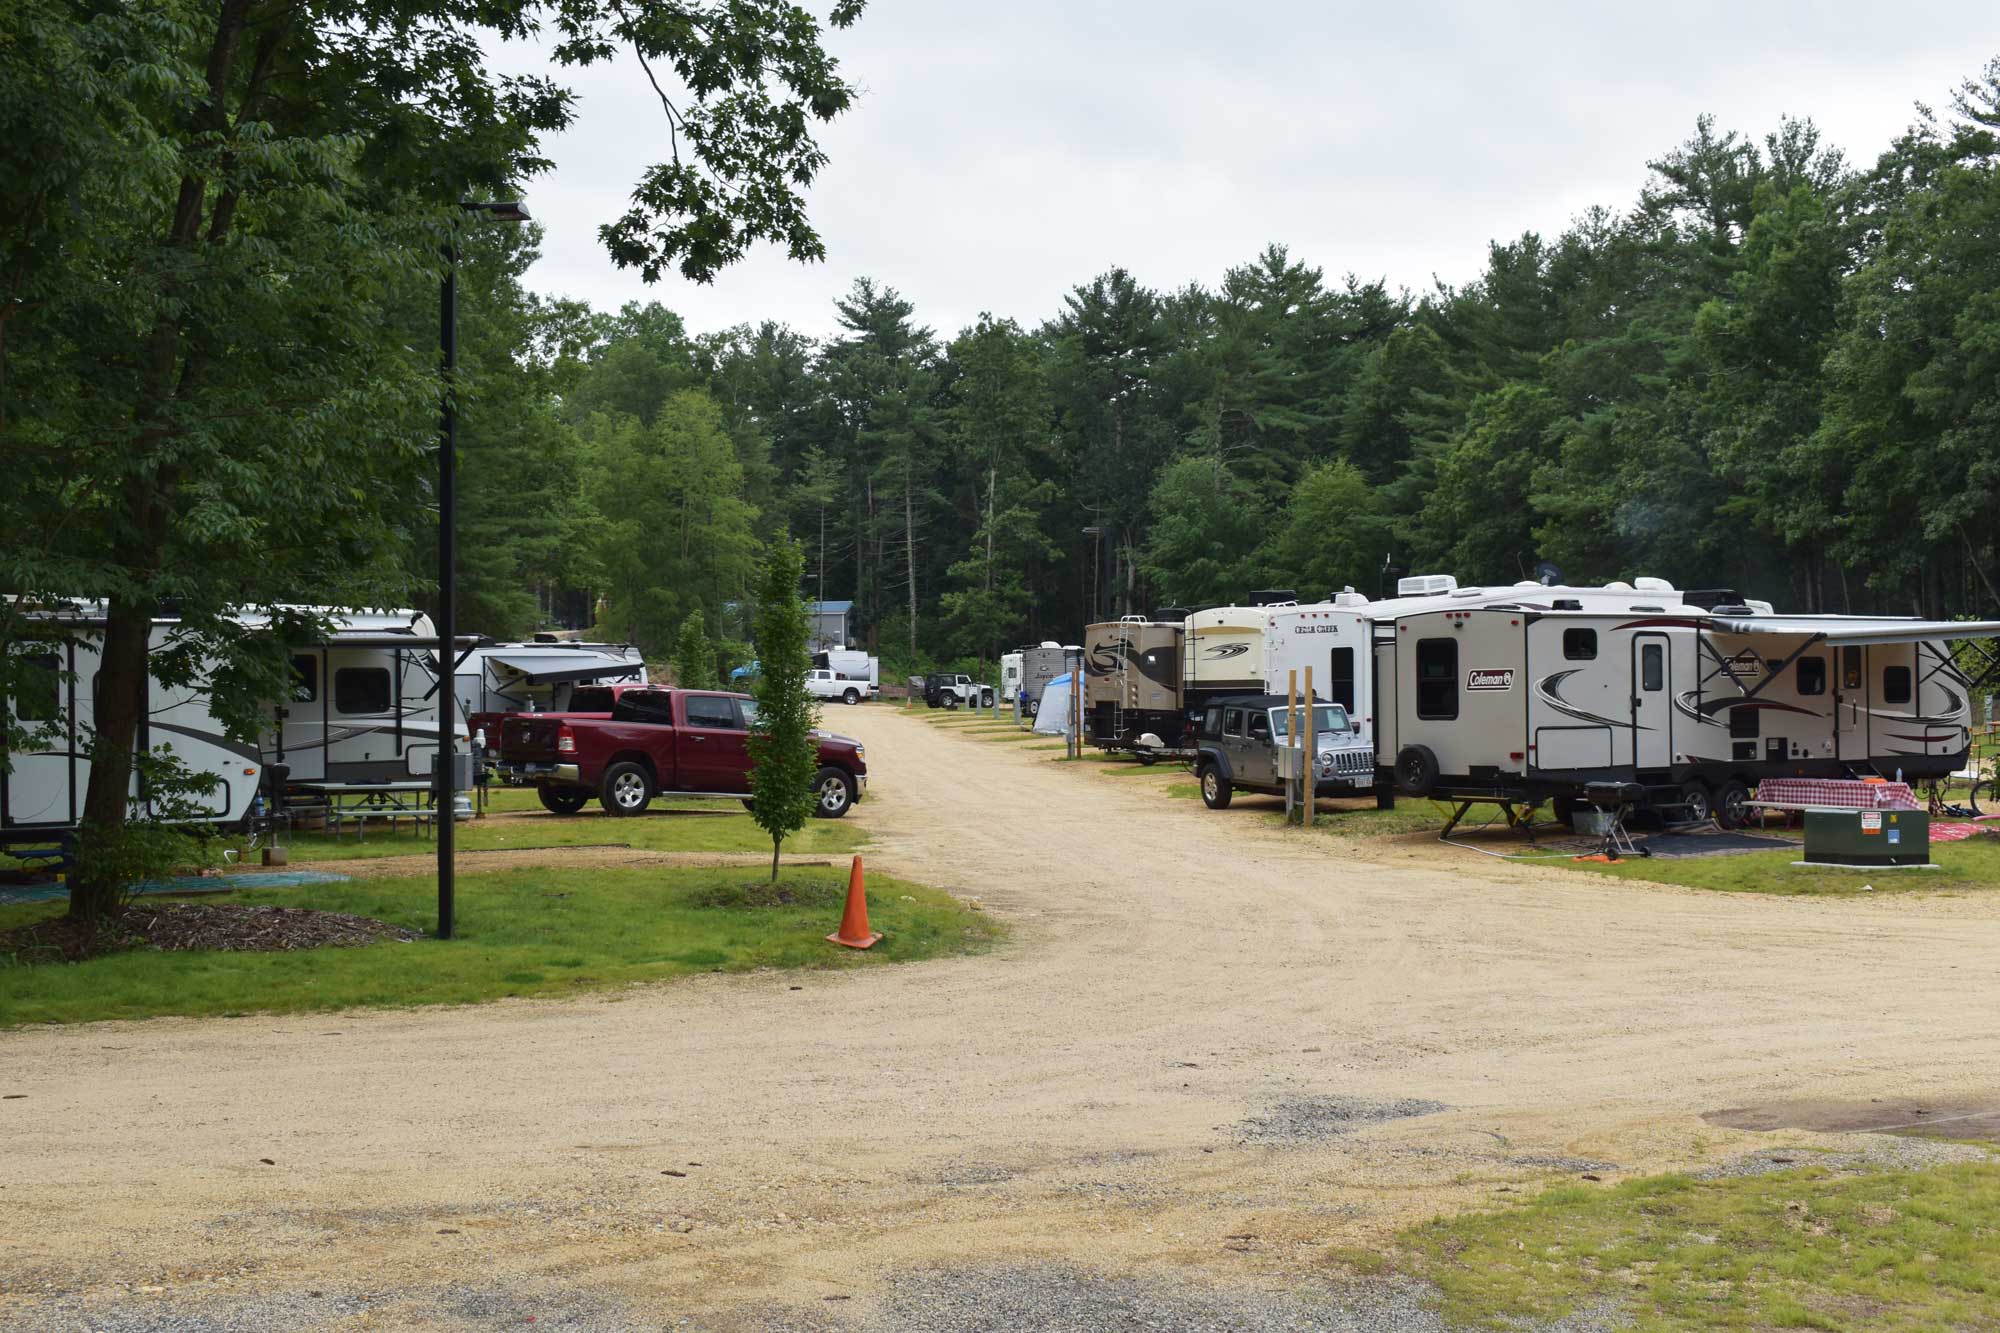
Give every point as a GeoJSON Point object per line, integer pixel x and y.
{"type": "Point", "coordinates": [776, 845]}
{"type": "Point", "coordinates": [910, 549]}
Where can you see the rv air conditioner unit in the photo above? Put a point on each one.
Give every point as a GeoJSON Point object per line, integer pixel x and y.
{"type": "Point", "coordinates": [1349, 597]}
{"type": "Point", "coordinates": [1173, 613]}
{"type": "Point", "coordinates": [1426, 585]}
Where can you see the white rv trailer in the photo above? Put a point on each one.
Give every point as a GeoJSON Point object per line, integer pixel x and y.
{"type": "Point", "coordinates": [41, 796]}
{"type": "Point", "coordinates": [537, 677]}
{"type": "Point", "coordinates": [851, 664]}
{"type": "Point", "coordinates": [1528, 697]}
{"type": "Point", "coordinates": [1010, 675]}
{"type": "Point", "coordinates": [363, 709]}
{"type": "Point", "coordinates": [1223, 652]}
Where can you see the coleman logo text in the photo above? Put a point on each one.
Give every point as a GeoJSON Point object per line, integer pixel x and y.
{"type": "Point", "coordinates": [1485, 678]}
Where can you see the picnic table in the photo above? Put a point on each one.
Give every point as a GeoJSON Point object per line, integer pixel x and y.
{"type": "Point", "coordinates": [353, 804]}
{"type": "Point", "coordinates": [1833, 794]}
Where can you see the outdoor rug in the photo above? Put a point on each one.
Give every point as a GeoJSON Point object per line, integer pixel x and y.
{"type": "Point", "coordinates": [260, 879]}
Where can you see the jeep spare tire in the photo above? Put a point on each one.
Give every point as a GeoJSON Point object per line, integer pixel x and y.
{"type": "Point", "coordinates": [1416, 771]}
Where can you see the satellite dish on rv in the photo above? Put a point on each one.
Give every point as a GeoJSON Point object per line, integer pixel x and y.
{"type": "Point", "coordinates": [1549, 574]}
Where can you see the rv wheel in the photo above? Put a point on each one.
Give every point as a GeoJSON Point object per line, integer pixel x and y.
{"type": "Point", "coordinates": [1215, 789]}
{"type": "Point", "coordinates": [851, 698]}
{"type": "Point", "coordinates": [1416, 770]}
{"type": "Point", "coordinates": [1148, 758]}
{"type": "Point", "coordinates": [1732, 803]}
{"type": "Point", "coordinates": [1695, 798]}
{"type": "Point", "coordinates": [1034, 707]}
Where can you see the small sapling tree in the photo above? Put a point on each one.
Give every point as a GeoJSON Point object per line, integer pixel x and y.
{"type": "Point", "coordinates": [694, 655]}
{"type": "Point", "coordinates": [783, 757]}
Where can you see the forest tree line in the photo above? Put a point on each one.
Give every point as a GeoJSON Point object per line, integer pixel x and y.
{"type": "Point", "coordinates": [1775, 371]}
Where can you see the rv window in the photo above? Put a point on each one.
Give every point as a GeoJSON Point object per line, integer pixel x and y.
{"type": "Point", "coordinates": [1260, 727]}
{"type": "Point", "coordinates": [1580, 645]}
{"type": "Point", "coordinates": [1437, 679]}
{"type": "Point", "coordinates": [39, 698]}
{"type": "Point", "coordinates": [1232, 722]}
{"type": "Point", "coordinates": [709, 710]}
{"type": "Point", "coordinates": [1743, 723]}
{"type": "Point", "coordinates": [1340, 679]}
{"type": "Point", "coordinates": [1850, 668]}
{"type": "Point", "coordinates": [1895, 685]}
{"type": "Point", "coordinates": [361, 690]}
{"type": "Point", "coordinates": [1652, 667]}
{"type": "Point", "coordinates": [305, 678]}
{"type": "Point", "coordinates": [1812, 675]}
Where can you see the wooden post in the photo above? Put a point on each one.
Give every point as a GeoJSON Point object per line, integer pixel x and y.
{"type": "Point", "coordinates": [1310, 740]}
{"type": "Point", "coordinates": [1291, 743]}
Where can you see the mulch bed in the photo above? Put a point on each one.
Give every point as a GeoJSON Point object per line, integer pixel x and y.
{"type": "Point", "coordinates": [173, 927]}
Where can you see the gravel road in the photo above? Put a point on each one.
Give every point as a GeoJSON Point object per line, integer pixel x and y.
{"type": "Point", "coordinates": [1211, 1054]}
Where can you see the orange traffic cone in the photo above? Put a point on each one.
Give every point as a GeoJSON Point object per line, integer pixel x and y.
{"type": "Point", "coordinates": [854, 932]}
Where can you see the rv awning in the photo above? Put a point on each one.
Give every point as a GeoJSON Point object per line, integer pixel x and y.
{"type": "Point", "coordinates": [555, 665]}
{"type": "Point", "coordinates": [1841, 631]}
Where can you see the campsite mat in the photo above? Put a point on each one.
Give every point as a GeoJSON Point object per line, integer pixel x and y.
{"type": "Point", "coordinates": [260, 879]}
{"type": "Point", "coordinates": [1712, 844]}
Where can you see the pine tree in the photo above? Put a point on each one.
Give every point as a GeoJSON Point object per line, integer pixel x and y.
{"type": "Point", "coordinates": [783, 756]}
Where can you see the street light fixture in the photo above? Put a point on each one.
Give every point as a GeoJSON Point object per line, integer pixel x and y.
{"type": "Point", "coordinates": [499, 210]}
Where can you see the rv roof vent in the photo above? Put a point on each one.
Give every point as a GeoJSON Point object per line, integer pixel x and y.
{"type": "Point", "coordinates": [1349, 597]}
{"type": "Point", "coordinates": [1425, 585]}
{"type": "Point", "coordinates": [1652, 585]}
{"type": "Point", "coordinates": [1049, 643]}
{"type": "Point", "coordinates": [1711, 598]}
{"type": "Point", "coordinates": [1567, 604]}
{"type": "Point", "coordinates": [1131, 620]}
{"type": "Point", "coordinates": [1656, 610]}
{"type": "Point", "coordinates": [1618, 585]}
{"type": "Point", "coordinates": [1527, 583]}
{"type": "Point", "coordinates": [1273, 597]}
{"type": "Point", "coordinates": [1740, 609]}
{"type": "Point", "coordinates": [1467, 592]}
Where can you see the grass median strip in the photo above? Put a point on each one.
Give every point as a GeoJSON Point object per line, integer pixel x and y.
{"type": "Point", "coordinates": [520, 933]}
{"type": "Point", "coordinates": [693, 826]}
{"type": "Point", "coordinates": [1972, 865]}
{"type": "Point", "coordinates": [1809, 1248]}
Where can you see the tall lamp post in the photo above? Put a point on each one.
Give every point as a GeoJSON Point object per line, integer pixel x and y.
{"type": "Point", "coordinates": [1097, 536]}
{"type": "Point", "coordinates": [505, 210]}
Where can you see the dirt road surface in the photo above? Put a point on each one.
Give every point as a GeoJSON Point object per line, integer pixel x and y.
{"type": "Point", "coordinates": [1211, 1054]}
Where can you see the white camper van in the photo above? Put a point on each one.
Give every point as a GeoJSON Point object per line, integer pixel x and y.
{"type": "Point", "coordinates": [1010, 675]}
{"type": "Point", "coordinates": [1527, 694]}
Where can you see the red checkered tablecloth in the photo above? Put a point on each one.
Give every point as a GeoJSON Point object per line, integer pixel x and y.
{"type": "Point", "coordinates": [1837, 794]}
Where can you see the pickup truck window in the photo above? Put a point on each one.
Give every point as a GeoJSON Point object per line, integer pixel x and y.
{"type": "Point", "coordinates": [590, 699]}
{"type": "Point", "coordinates": [708, 710]}
{"type": "Point", "coordinates": [656, 709]}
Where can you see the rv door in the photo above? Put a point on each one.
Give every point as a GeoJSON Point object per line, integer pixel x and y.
{"type": "Point", "coordinates": [39, 790]}
{"type": "Point", "coordinates": [1652, 702]}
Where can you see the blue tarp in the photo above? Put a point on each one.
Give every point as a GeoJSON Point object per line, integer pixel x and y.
{"type": "Point", "coordinates": [258, 879]}
{"type": "Point", "coordinates": [1052, 719]}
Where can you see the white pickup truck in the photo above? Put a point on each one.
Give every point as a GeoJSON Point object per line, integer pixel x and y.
{"type": "Point", "coordinates": [826, 684]}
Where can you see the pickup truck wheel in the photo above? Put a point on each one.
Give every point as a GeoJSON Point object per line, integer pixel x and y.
{"type": "Point", "coordinates": [627, 790]}
{"type": "Point", "coordinates": [836, 793]}
{"type": "Point", "coordinates": [1215, 789]}
{"type": "Point", "coordinates": [851, 698]}
{"type": "Point", "coordinates": [562, 800]}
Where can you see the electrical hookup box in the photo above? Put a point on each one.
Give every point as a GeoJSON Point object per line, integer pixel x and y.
{"type": "Point", "coordinates": [1868, 837]}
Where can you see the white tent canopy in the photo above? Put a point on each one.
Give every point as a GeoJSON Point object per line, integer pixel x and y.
{"type": "Point", "coordinates": [1053, 717]}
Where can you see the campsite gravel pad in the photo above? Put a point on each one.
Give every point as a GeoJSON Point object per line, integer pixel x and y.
{"type": "Point", "coordinates": [1317, 1119]}
{"type": "Point", "coordinates": [256, 879]}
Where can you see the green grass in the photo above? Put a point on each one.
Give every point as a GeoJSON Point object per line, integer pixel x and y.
{"type": "Point", "coordinates": [1970, 865]}
{"type": "Point", "coordinates": [520, 932]}
{"type": "Point", "coordinates": [1885, 1251]}
{"type": "Point", "coordinates": [684, 826]}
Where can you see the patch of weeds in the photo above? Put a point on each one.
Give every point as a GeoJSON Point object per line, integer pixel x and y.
{"type": "Point", "coordinates": [788, 891]}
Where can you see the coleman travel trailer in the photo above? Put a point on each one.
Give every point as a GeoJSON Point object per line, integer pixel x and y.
{"type": "Point", "coordinates": [1132, 684]}
{"type": "Point", "coordinates": [1525, 695]}
{"type": "Point", "coordinates": [363, 708]}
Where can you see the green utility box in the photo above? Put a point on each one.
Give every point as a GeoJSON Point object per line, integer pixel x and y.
{"type": "Point", "coordinates": [1868, 837]}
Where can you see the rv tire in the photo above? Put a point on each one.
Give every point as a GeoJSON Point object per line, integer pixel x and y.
{"type": "Point", "coordinates": [562, 800]}
{"type": "Point", "coordinates": [627, 790]}
{"type": "Point", "coordinates": [1215, 789]}
{"type": "Point", "coordinates": [851, 698]}
{"type": "Point", "coordinates": [1034, 707]}
{"type": "Point", "coordinates": [1731, 797]}
{"type": "Point", "coordinates": [1416, 770]}
{"type": "Point", "coordinates": [1699, 803]}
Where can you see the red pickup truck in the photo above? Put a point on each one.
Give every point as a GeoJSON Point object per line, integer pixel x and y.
{"type": "Point", "coordinates": [584, 701]}
{"type": "Point", "coordinates": [662, 742]}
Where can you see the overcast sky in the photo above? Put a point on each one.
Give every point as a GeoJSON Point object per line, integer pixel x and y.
{"type": "Point", "coordinates": [1001, 153]}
